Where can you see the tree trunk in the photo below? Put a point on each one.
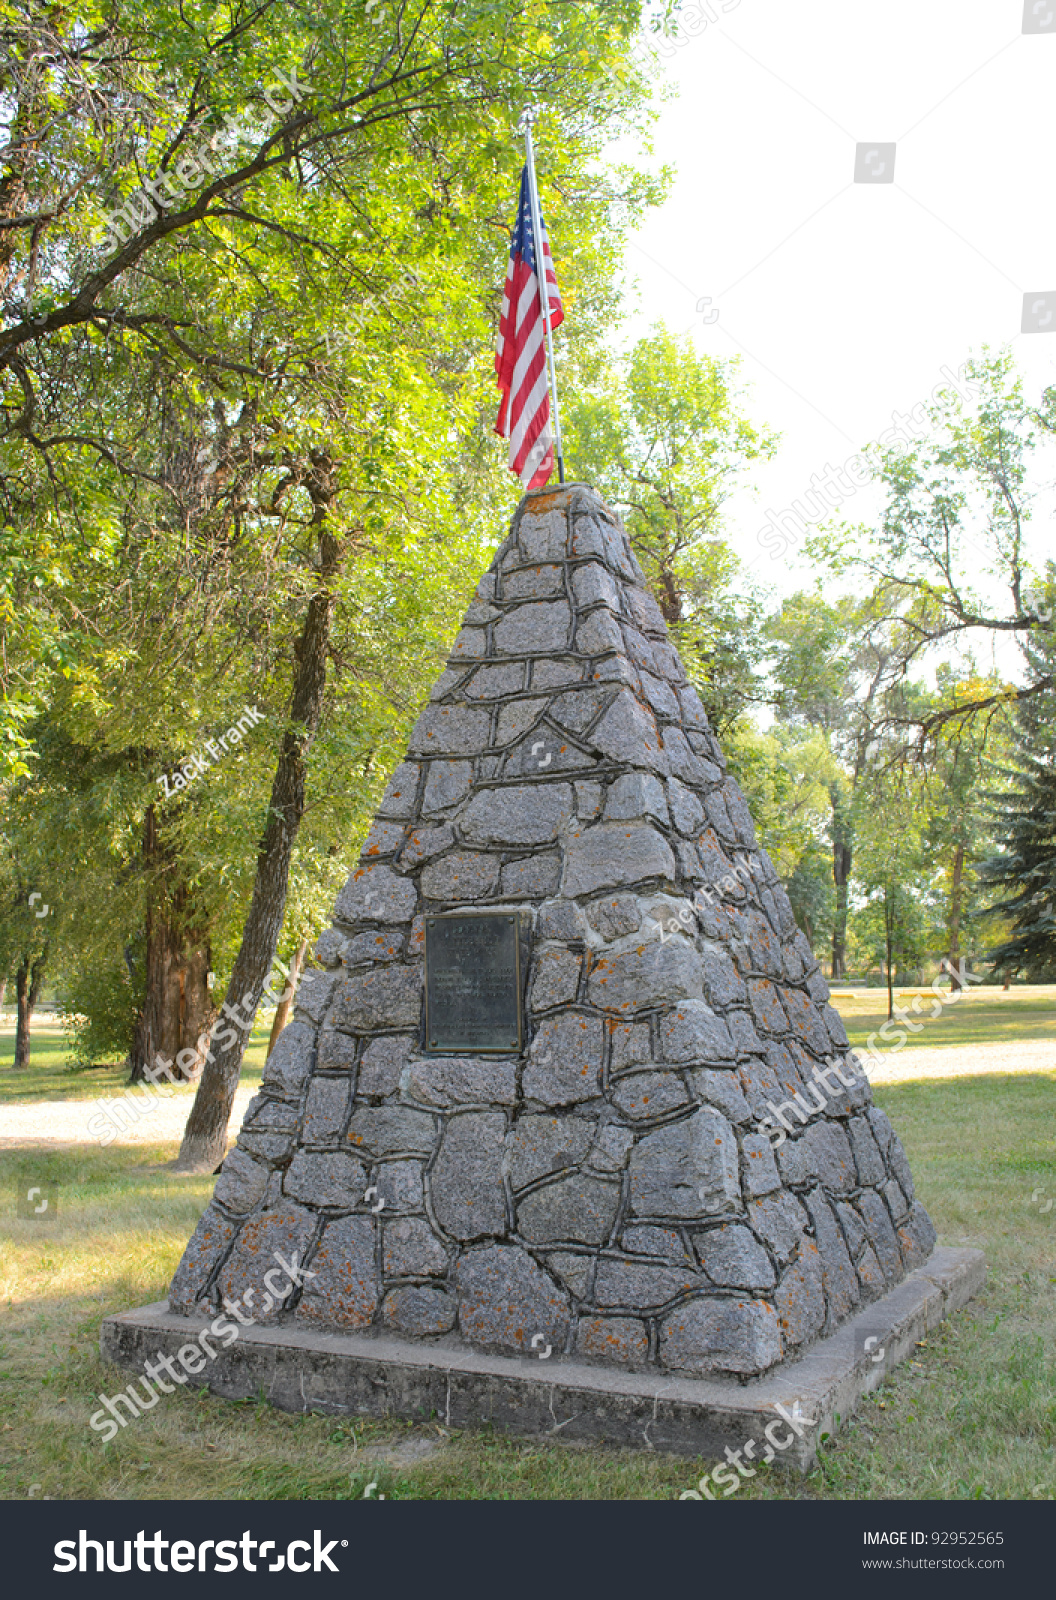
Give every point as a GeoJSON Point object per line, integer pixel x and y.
{"type": "Point", "coordinates": [956, 896]}
{"type": "Point", "coordinates": [889, 943]}
{"type": "Point", "coordinates": [28, 980]}
{"type": "Point", "coordinates": [205, 1137]}
{"type": "Point", "coordinates": [841, 874]}
{"type": "Point", "coordinates": [177, 1007]}
{"type": "Point", "coordinates": [285, 1005]}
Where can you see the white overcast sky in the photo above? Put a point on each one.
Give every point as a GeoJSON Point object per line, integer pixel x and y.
{"type": "Point", "coordinates": [845, 300]}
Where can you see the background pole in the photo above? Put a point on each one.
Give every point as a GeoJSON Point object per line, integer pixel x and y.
{"type": "Point", "coordinates": [540, 270]}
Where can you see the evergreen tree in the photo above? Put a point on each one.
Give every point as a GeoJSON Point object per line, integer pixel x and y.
{"type": "Point", "coordinates": [1023, 872]}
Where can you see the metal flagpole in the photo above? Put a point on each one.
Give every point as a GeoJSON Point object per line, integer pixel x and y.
{"type": "Point", "coordinates": [525, 126]}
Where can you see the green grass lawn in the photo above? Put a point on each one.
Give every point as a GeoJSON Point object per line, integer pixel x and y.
{"type": "Point", "coordinates": [983, 1015]}
{"type": "Point", "coordinates": [973, 1416]}
{"type": "Point", "coordinates": [51, 1075]}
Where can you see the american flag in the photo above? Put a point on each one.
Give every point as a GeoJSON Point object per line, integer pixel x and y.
{"type": "Point", "coordinates": [520, 355]}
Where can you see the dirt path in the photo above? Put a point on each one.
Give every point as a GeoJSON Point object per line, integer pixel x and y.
{"type": "Point", "coordinates": [136, 1121]}
{"type": "Point", "coordinates": [967, 1061]}
{"type": "Point", "coordinates": [70, 1122]}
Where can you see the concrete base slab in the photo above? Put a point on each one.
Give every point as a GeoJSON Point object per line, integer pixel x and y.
{"type": "Point", "coordinates": [379, 1375]}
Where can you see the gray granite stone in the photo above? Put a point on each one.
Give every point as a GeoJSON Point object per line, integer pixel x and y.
{"type": "Point", "coordinates": [506, 1299]}
{"type": "Point", "coordinates": [520, 815]}
{"type": "Point", "coordinates": [554, 673]}
{"type": "Point", "coordinates": [490, 683]}
{"type": "Point", "coordinates": [628, 1044]}
{"type": "Point", "coordinates": [800, 1298]}
{"type": "Point", "coordinates": [651, 1241]}
{"type": "Point", "coordinates": [592, 585]}
{"type": "Point", "coordinates": [760, 1170]}
{"type": "Point", "coordinates": [722, 982]}
{"type": "Point", "coordinates": [540, 627]}
{"type": "Point", "coordinates": [598, 634]}
{"type": "Point", "coordinates": [343, 1293]}
{"type": "Point", "coordinates": [728, 1335]}
{"type": "Point", "coordinates": [555, 979]}
{"type": "Point", "coordinates": [516, 717]}
{"type": "Point", "coordinates": [399, 1186]}
{"type": "Point", "coordinates": [462, 875]}
{"type": "Point", "coordinates": [897, 1203]}
{"type": "Point", "coordinates": [376, 894]}
{"type": "Point", "coordinates": [720, 1088]}
{"type": "Point", "coordinates": [208, 1245]}
{"type": "Point", "coordinates": [608, 855]}
{"type": "Point", "coordinates": [254, 1257]}
{"type": "Point", "coordinates": [640, 1286]}
{"type": "Point", "coordinates": [780, 1221]}
{"type": "Point", "coordinates": [542, 535]}
{"type": "Point", "coordinates": [539, 1145]}
{"type": "Point", "coordinates": [821, 1152]}
{"type": "Point", "coordinates": [576, 709]}
{"type": "Point", "coordinates": [691, 1033]}
{"type": "Point", "coordinates": [383, 1061]}
{"type": "Point", "coordinates": [411, 1249]}
{"type": "Point", "coordinates": [384, 839]}
{"type": "Point", "coordinates": [565, 1060]}
{"type": "Point", "coordinates": [531, 877]}
{"type": "Point", "coordinates": [611, 1148]}
{"type": "Point", "coordinates": [867, 1158]}
{"type": "Point", "coordinates": [287, 1068]}
{"type": "Point", "coordinates": [419, 1310]}
{"type": "Point", "coordinates": [447, 783]}
{"type": "Point", "coordinates": [733, 1258]}
{"type": "Point", "coordinates": [424, 843]}
{"type": "Point", "coordinates": [842, 1292]}
{"type": "Point", "coordinates": [916, 1237]}
{"type": "Point", "coordinates": [445, 1081]}
{"type": "Point", "coordinates": [574, 1270]}
{"type": "Point", "coordinates": [398, 799]}
{"type": "Point", "coordinates": [391, 1130]}
{"type": "Point", "coordinates": [636, 794]}
{"type": "Point", "coordinates": [561, 919]}
{"type": "Point", "coordinates": [662, 700]}
{"type": "Point", "coordinates": [330, 947]}
{"type": "Point", "coordinates": [687, 813]}
{"type": "Point", "coordinates": [580, 1209]}
{"type": "Point", "coordinates": [614, 918]}
{"type": "Point", "coordinates": [622, 1340]}
{"type": "Point", "coordinates": [374, 945]}
{"type": "Point", "coordinates": [241, 1184]}
{"type": "Point", "coordinates": [326, 1110]}
{"type": "Point", "coordinates": [681, 759]}
{"type": "Point", "coordinates": [650, 975]}
{"type": "Point", "coordinates": [384, 997]}
{"type": "Point", "coordinates": [628, 733]}
{"type": "Point", "coordinates": [881, 1233]}
{"type": "Point", "coordinates": [688, 1169]}
{"type": "Point", "coordinates": [450, 730]}
{"type": "Point", "coordinates": [896, 1160]}
{"type": "Point", "coordinates": [533, 583]}
{"type": "Point", "coordinates": [642, 1095]}
{"type": "Point", "coordinates": [468, 1195]}
{"type": "Point", "coordinates": [333, 1178]}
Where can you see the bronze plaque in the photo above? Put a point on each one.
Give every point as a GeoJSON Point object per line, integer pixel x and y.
{"type": "Point", "coordinates": [473, 984]}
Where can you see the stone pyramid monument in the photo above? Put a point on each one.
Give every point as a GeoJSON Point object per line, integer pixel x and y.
{"type": "Point", "coordinates": [569, 1075]}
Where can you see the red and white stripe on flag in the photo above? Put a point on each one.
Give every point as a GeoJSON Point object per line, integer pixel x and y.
{"type": "Point", "coordinates": [520, 354]}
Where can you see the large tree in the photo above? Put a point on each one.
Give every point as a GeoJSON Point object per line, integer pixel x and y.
{"type": "Point", "coordinates": [1020, 877]}
{"type": "Point", "coordinates": [232, 414]}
